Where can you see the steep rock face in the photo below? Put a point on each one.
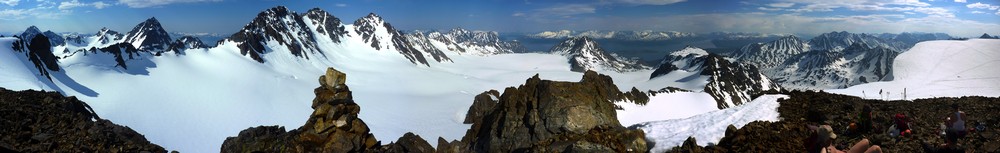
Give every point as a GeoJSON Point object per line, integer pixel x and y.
{"type": "Point", "coordinates": [481, 106]}
{"type": "Point", "coordinates": [325, 24]}
{"type": "Point", "coordinates": [382, 36]}
{"type": "Point", "coordinates": [772, 53]}
{"type": "Point", "coordinates": [421, 43]}
{"type": "Point", "coordinates": [274, 25]}
{"type": "Point", "coordinates": [732, 84]}
{"type": "Point", "coordinates": [550, 116]}
{"type": "Point", "coordinates": [35, 121]}
{"type": "Point", "coordinates": [824, 69]}
{"type": "Point", "coordinates": [39, 52]}
{"type": "Point", "coordinates": [54, 39]}
{"type": "Point", "coordinates": [186, 42]}
{"type": "Point", "coordinates": [585, 54]}
{"type": "Point", "coordinates": [334, 126]}
{"type": "Point", "coordinates": [149, 36]}
{"type": "Point", "coordinates": [480, 42]}
{"type": "Point", "coordinates": [837, 41]}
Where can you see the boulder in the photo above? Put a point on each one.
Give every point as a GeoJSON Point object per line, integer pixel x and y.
{"type": "Point", "coordinates": [482, 104]}
{"type": "Point", "coordinates": [554, 116]}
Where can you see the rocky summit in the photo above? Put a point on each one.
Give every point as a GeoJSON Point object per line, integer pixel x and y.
{"type": "Point", "coordinates": [334, 126]}
{"type": "Point", "coordinates": [38, 121]}
{"type": "Point", "coordinates": [552, 116]}
{"type": "Point", "coordinates": [817, 108]}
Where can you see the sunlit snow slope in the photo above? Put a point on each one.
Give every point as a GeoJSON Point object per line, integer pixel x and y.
{"type": "Point", "coordinates": [944, 68]}
{"type": "Point", "coordinates": [192, 102]}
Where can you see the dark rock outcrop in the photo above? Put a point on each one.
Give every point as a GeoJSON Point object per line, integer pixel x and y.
{"type": "Point", "coordinates": [186, 42]}
{"type": "Point", "coordinates": [39, 52]}
{"type": "Point", "coordinates": [553, 116]}
{"type": "Point", "coordinates": [802, 108]}
{"type": "Point", "coordinates": [36, 121]}
{"type": "Point", "coordinates": [409, 143]}
{"type": "Point", "coordinates": [334, 126]}
{"type": "Point", "coordinates": [482, 105]}
{"type": "Point", "coordinates": [732, 84]}
{"type": "Point", "coordinates": [122, 52]}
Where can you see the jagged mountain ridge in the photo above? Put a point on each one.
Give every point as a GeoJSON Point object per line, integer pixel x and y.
{"type": "Point", "coordinates": [831, 60]}
{"type": "Point", "coordinates": [585, 54]}
{"type": "Point", "coordinates": [381, 35]}
{"type": "Point", "coordinates": [729, 83]}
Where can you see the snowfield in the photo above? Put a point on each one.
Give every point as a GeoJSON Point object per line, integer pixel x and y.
{"type": "Point", "coordinates": [709, 128]}
{"type": "Point", "coordinates": [945, 68]}
{"type": "Point", "coordinates": [192, 102]}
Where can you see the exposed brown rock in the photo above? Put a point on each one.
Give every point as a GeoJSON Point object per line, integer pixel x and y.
{"type": "Point", "coordinates": [816, 108]}
{"type": "Point", "coordinates": [37, 121]}
{"type": "Point", "coordinates": [551, 116]}
{"type": "Point", "coordinates": [482, 104]}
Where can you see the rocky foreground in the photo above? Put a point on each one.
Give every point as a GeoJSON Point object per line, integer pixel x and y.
{"type": "Point", "coordinates": [812, 108]}
{"type": "Point", "coordinates": [37, 121]}
{"type": "Point", "coordinates": [539, 116]}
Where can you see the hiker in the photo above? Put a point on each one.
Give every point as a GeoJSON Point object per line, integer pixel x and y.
{"type": "Point", "coordinates": [864, 121]}
{"type": "Point", "coordinates": [956, 125]}
{"type": "Point", "coordinates": [901, 126]}
{"type": "Point", "coordinates": [822, 138]}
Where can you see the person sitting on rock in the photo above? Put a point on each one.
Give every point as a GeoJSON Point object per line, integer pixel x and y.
{"type": "Point", "coordinates": [824, 138]}
{"type": "Point", "coordinates": [864, 121]}
{"type": "Point", "coordinates": [901, 126]}
{"type": "Point", "coordinates": [956, 125]}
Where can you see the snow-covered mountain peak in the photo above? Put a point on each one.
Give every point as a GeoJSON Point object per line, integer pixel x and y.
{"type": "Point", "coordinates": [149, 36]}
{"type": "Point", "coordinates": [837, 41]}
{"type": "Point", "coordinates": [276, 26]}
{"type": "Point", "coordinates": [382, 36]}
{"type": "Point", "coordinates": [690, 50]}
{"type": "Point", "coordinates": [585, 54]}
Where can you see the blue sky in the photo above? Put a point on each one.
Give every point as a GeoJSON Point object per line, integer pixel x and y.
{"type": "Point", "coordinates": [956, 17]}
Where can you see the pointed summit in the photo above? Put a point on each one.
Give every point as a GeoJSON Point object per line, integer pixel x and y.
{"type": "Point", "coordinates": [30, 33]}
{"type": "Point", "coordinates": [149, 36]}
{"type": "Point", "coordinates": [280, 25]}
{"type": "Point", "coordinates": [585, 54]}
{"type": "Point", "coordinates": [380, 35]}
{"type": "Point", "coordinates": [984, 36]}
{"type": "Point", "coordinates": [325, 23]}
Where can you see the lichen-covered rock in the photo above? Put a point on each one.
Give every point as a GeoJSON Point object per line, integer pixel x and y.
{"type": "Point", "coordinates": [553, 116]}
{"type": "Point", "coordinates": [36, 121]}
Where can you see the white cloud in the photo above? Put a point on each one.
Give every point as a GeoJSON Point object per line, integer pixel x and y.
{"type": "Point", "coordinates": [153, 3]}
{"type": "Point", "coordinates": [9, 14]}
{"type": "Point", "coordinates": [979, 5]}
{"type": "Point", "coordinates": [518, 14]}
{"type": "Point", "coordinates": [70, 4]}
{"type": "Point", "coordinates": [781, 5]}
{"type": "Point", "coordinates": [768, 9]}
{"type": "Point", "coordinates": [960, 1]}
{"type": "Point", "coordinates": [977, 12]}
{"type": "Point", "coordinates": [100, 5]}
{"type": "Point", "coordinates": [75, 3]}
{"type": "Point", "coordinates": [9, 2]}
{"type": "Point", "coordinates": [341, 5]}
{"type": "Point", "coordinates": [652, 2]}
{"type": "Point", "coordinates": [935, 11]}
